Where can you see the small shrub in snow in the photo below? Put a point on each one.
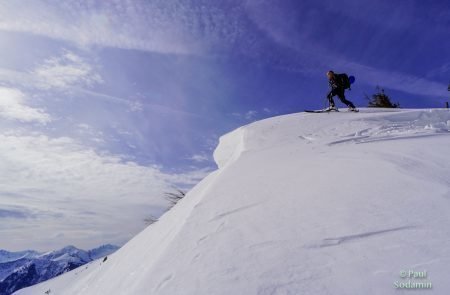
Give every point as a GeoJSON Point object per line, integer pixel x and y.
{"type": "Point", "coordinates": [381, 100]}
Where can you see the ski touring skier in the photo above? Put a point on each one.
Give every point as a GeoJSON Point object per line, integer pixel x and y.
{"type": "Point", "coordinates": [338, 84]}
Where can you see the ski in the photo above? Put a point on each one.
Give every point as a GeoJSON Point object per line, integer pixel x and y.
{"type": "Point", "coordinates": [320, 111]}
{"type": "Point", "coordinates": [328, 111]}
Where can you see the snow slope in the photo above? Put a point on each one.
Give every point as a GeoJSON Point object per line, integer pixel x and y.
{"type": "Point", "coordinates": [335, 203]}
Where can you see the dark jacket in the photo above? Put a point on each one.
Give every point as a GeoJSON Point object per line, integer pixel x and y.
{"type": "Point", "coordinates": [336, 82]}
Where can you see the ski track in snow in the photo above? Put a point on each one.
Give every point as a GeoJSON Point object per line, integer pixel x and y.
{"type": "Point", "coordinates": [369, 139]}
{"type": "Point", "coordinates": [403, 126]}
{"type": "Point", "coordinates": [328, 242]}
{"type": "Point", "coordinates": [165, 281]}
{"type": "Point", "coordinates": [234, 211]}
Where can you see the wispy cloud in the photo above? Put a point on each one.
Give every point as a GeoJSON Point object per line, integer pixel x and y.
{"type": "Point", "coordinates": [250, 115]}
{"type": "Point", "coordinates": [395, 80]}
{"type": "Point", "coordinates": [62, 72]}
{"type": "Point", "coordinates": [136, 105]}
{"type": "Point", "coordinates": [65, 71]}
{"type": "Point", "coordinates": [13, 107]}
{"type": "Point", "coordinates": [189, 178]}
{"type": "Point", "coordinates": [199, 158]}
{"type": "Point", "coordinates": [158, 26]}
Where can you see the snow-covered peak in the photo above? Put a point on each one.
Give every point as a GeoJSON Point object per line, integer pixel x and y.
{"type": "Point", "coordinates": [6, 256]}
{"type": "Point", "coordinates": [102, 251]}
{"type": "Point", "coordinates": [68, 253]}
{"type": "Point", "coordinates": [337, 203]}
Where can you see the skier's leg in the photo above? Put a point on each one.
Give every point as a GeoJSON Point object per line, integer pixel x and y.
{"type": "Point", "coordinates": [341, 96]}
{"type": "Point", "coordinates": [330, 98]}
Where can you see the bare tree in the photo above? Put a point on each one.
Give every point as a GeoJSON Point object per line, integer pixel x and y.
{"type": "Point", "coordinates": [150, 220]}
{"type": "Point", "coordinates": [175, 197]}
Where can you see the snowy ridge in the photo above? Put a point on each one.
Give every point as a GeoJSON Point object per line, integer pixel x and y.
{"type": "Point", "coordinates": [230, 147]}
{"type": "Point", "coordinates": [301, 204]}
{"type": "Point", "coordinates": [6, 256]}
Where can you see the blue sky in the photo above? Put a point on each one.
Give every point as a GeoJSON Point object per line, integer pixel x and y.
{"type": "Point", "coordinates": [106, 105]}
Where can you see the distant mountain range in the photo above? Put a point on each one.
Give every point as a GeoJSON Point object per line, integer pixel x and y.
{"type": "Point", "coordinates": [22, 269]}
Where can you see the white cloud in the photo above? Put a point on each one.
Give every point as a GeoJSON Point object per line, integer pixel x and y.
{"type": "Point", "coordinates": [13, 107]}
{"type": "Point", "coordinates": [136, 106]}
{"type": "Point", "coordinates": [250, 115]}
{"type": "Point", "coordinates": [58, 186]}
{"type": "Point", "coordinates": [84, 126]}
{"type": "Point", "coordinates": [62, 72]}
{"type": "Point", "coordinates": [199, 158]}
{"type": "Point", "coordinates": [65, 71]}
{"type": "Point", "coordinates": [190, 178]}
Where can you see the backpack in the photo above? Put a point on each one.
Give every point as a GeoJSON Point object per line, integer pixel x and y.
{"type": "Point", "coordinates": [344, 81]}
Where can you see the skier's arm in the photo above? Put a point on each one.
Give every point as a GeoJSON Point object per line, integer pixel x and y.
{"type": "Point", "coordinates": [333, 84]}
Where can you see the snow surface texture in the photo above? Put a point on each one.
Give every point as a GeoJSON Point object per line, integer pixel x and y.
{"type": "Point", "coordinates": [335, 203]}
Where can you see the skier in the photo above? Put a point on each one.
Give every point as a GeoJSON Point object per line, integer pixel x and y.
{"type": "Point", "coordinates": [337, 88]}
